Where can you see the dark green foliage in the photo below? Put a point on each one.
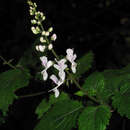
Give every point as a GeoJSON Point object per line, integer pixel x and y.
{"type": "Point", "coordinates": [105, 84]}
{"type": "Point", "coordinates": [62, 116]}
{"type": "Point", "coordinates": [94, 118]}
{"type": "Point", "coordinates": [84, 64]}
{"type": "Point", "coordinates": [121, 100]}
{"type": "Point", "coordinates": [94, 84]}
{"type": "Point", "coordinates": [10, 81]}
{"type": "Point", "coordinates": [44, 105]}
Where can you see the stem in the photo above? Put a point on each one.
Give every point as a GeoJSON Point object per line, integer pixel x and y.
{"type": "Point", "coordinates": [5, 62]}
{"type": "Point", "coordinates": [31, 95]}
{"type": "Point", "coordinates": [123, 124]}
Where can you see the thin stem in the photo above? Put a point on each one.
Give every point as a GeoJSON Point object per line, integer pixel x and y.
{"type": "Point", "coordinates": [5, 62]}
{"type": "Point", "coordinates": [32, 95]}
{"type": "Point", "coordinates": [123, 124]}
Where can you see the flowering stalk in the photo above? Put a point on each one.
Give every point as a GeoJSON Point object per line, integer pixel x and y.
{"type": "Point", "coordinates": [47, 41]}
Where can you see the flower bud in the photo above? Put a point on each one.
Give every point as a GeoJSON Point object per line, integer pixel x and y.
{"type": "Point", "coordinates": [33, 21]}
{"type": "Point", "coordinates": [40, 48]}
{"type": "Point", "coordinates": [42, 40]}
{"type": "Point", "coordinates": [43, 18]}
{"type": "Point", "coordinates": [37, 29]}
{"type": "Point", "coordinates": [50, 29]}
{"type": "Point", "coordinates": [50, 46]}
{"type": "Point", "coordinates": [53, 37]}
{"type": "Point", "coordinates": [43, 33]}
{"type": "Point", "coordinates": [34, 30]}
{"type": "Point", "coordinates": [47, 33]}
{"type": "Point", "coordinates": [35, 5]}
{"type": "Point", "coordinates": [39, 22]}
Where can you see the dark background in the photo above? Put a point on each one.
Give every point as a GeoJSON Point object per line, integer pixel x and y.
{"type": "Point", "coordinates": [102, 26]}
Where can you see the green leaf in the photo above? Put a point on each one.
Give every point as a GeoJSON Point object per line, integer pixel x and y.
{"type": "Point", "coordinates": [62, 116]}
{"type": "Point", "coordinates": [84, 64]}
{"type": "Point", "coordinates": [94, 84]}
{"type": "Point", "coordinates": [113, 80]}
{"type": "Point", "coordinates": [10, 81]}
{"type": "Point", "coordinates": [44, 105]}
{"type": "Point", "coordinates": [79, 93]}
{"type": "Point", "coordinates": [121, 100]}
{"type": "Point", "coordinates": [94, 118]}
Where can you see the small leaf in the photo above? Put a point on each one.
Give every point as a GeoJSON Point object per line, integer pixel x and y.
{"type": "Point", "coordinates": [79, 93]}
{"type": "Point", "coordinates": [62, 116]}
{"type": "Point", "coordinates": [94, 118]}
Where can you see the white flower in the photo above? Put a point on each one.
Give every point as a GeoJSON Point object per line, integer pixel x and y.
{"type": "Point", "coordinates": [58, 83]}
{"type": "Point", "coordinates": [61, 66]}
{"type": "Point", "coordinates": [50, 46]}
{"type": "Point", "coordinates": [40, 48]}
{"type": "Point", "coordinates": [53, 37]}
{"type": "Point", "coordinates": [47, 64]}
{"type": "Point", "coordinates": [71, 57]}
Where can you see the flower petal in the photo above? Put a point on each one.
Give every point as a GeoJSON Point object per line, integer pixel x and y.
{"type": "Point", "coordinates": [62, 61]}
{"type": "Point", "coordinates": [62, 75]}
{"type": "Point", "coordinates": [57, 66]}
{"type": "Point", "coordinates": [54, 78]}
{"type": "Point", "coordinates": [49, 64]}
{"type": "Point", "coordinates": [44, 61]}
{"type": "Point", "coordinates": [74, 57]}
{"type": "Point", "coordinates": [44, 74]}
{"type": "Point", "coordinates": [73, 67]}
{"type": "Point", "coordinates": [56, 91]}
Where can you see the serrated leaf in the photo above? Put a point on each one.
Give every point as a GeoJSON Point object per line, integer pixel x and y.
{"type": "Point", "coordinates": [94, 84]}
{"type": "Point", "coordinates": [121, 100]}
{"type": "Point", "coordinates": [84, 64]}
{"type": "Point", "coordinates": [62, 116]}
{"type": "Point", "coordinates": [113, 80]}
{"type": "Point", "coordinates": [10, 81]}
{"type": "Point", "coordinates": [94, 118]}
{"type": "Point", "coordinates": [44, 105]}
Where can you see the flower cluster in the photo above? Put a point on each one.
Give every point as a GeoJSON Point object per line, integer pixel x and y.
{"type": "Point", "coordinates": [45, 35]}
{"type": "Point", "coordinates": [46, 42]}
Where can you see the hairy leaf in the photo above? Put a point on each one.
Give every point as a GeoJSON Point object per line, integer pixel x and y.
{"type": "Point", "coordinates": [62, 116]}
{"type": "Point", "coordinates": [84, 64]}
{"type": "Point", "coordinates": [94, 118]}
{"type": "Point", "coordinates": [94, 84]}
{"type": "Point", "coordinates": [121, 100]}
{"type": "Point", "coordinates": [44, 105]}
{"type": "Point", "coordinates": [9, 82]}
